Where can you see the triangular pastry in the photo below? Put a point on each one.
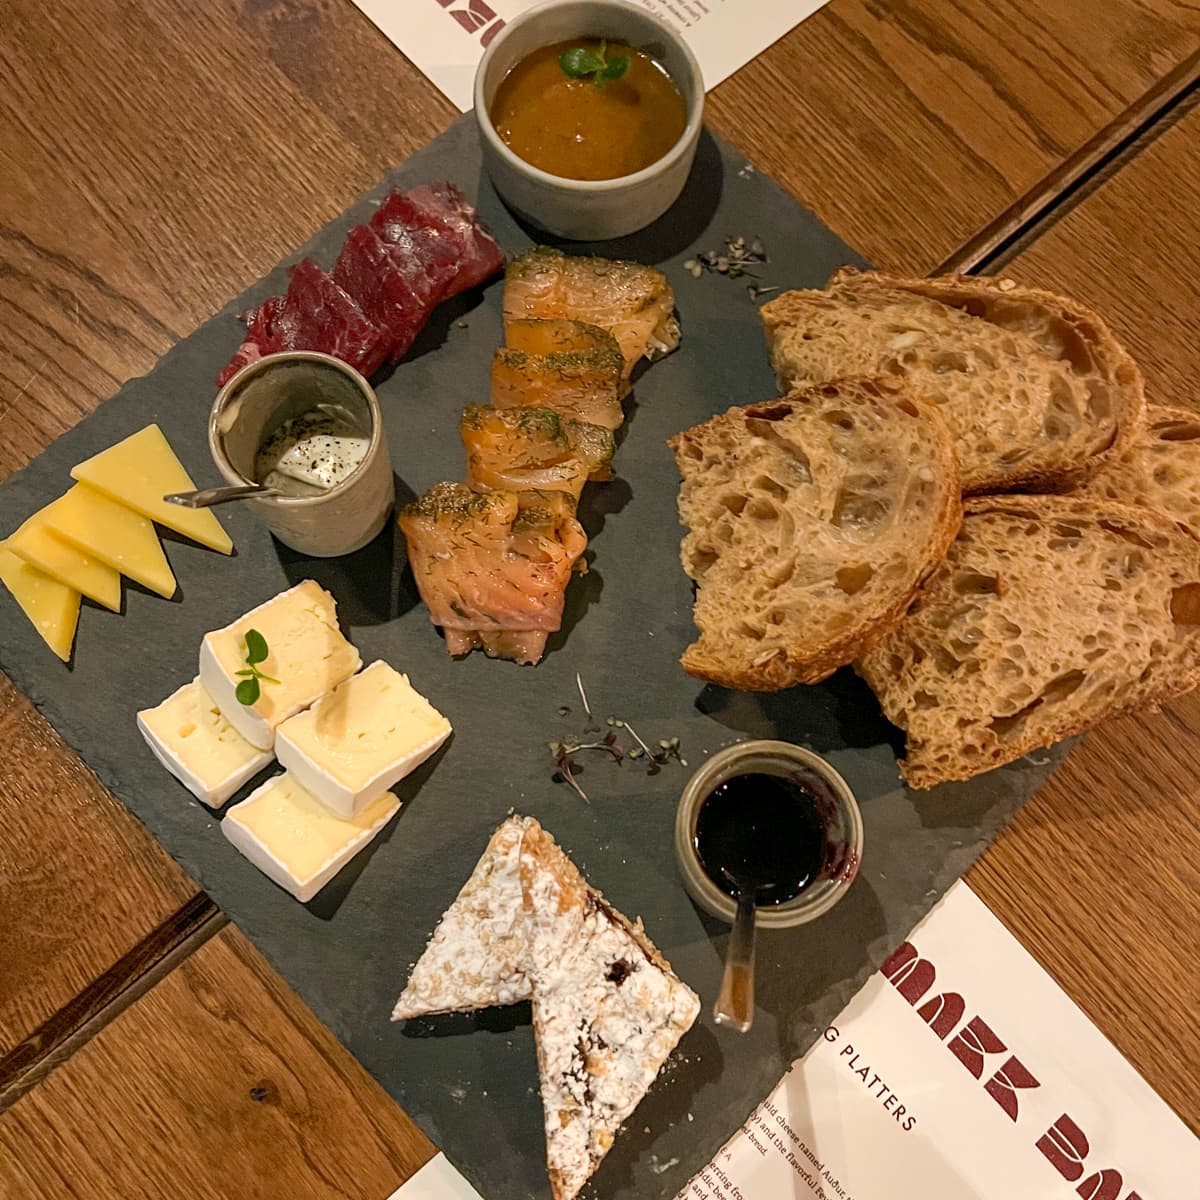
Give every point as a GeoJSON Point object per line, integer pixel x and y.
{"type": "Point", "coordinates": [607, 1012]}
{"type": "Point", "coordinates": [607, 1009]}
{"type": "Point", "coordinates": [476, 956]}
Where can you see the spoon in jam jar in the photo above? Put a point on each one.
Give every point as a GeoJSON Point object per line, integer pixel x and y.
{"type": "Point", "coordinates": [735, 1001]}
{"type": "Point", "coordinates": [761, 838]}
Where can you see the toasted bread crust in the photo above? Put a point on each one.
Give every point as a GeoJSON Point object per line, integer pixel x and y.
{"type": "Point", "coordinates": [1049, 615]}
{"type": "Point", "coordinates": [1159, 470]}
{"type": "Point", "coordinates": [1071, 346]}
{"type": "Point", "coordinates": [823, 457]}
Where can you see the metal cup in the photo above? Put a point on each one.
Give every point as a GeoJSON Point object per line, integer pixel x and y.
{"type": "Point", "coordinates": [264, 396]}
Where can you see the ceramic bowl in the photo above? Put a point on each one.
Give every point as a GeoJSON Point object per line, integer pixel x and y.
{"type": "Point", "coordinates": [260, 398]}
{"type": "Point", "coordinates": [588, 210]}
{"type": "Point", "coordinates": [843, 824]}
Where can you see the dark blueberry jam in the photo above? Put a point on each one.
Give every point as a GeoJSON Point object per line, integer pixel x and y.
{"type": "Point", "coordinates": [767, 832]}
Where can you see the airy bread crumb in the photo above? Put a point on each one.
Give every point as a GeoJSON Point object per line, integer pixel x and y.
{"type": "Point", "coordinates": [1047, 616]}
{"type": "Point", "coordinates": [812, 520]}
{"type": "Point", "coordinates": [1160, 469]}
{"type": "Point", "coordinates": [1034, 386]}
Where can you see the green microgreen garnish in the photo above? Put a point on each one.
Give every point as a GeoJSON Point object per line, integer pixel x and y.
{"type": "Point", "coordinates": [579, 63]}
{"type": "Point", "coordinates": [249, 690]}
{"type": "Point", "coordinates": [734, 261]}
{"type": "Point", "coordinates": [565, 765]}
{"type": "Point", "coordinates": [563, 752]}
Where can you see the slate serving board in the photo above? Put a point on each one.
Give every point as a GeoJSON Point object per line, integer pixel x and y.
{"type": "Point", "coordinates": [471, 1081]}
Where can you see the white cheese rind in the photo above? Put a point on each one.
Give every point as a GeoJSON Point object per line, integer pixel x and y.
{"type": "Point", "coordinates": [210, 786]}
{"type": "Point", "coordinates": [269, 862]}
{"type": "Point", "coordinates": [336, 725]}
{"type": "Point", "coordinates": [299, 625]}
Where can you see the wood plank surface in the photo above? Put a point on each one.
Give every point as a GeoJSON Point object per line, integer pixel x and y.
{"type": "Point", "coordinates": [217, 1083]}
{"type": "Point", "coordinates": [1131, 250]}
{"type": "Point", "coordinates": [1099, 875]}
{"type": "Point", "coordinates": [81, 883]}
{"type": "Point", "coordinates": [907, 125]}
{"type": "Point", "coordinates": [156, 158]}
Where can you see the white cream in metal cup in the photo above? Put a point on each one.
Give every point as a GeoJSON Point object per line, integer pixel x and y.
{"type": "Point", "coordinates": [264, 396]}
{"type": "Point", "coordinates": [589, 210]}
{"type": "Point", "coordinates": [843, 825]}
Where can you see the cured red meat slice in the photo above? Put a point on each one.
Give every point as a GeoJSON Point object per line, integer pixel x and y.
{"type": "Point", "coordinates": [419, 248]}
{"type": "Point", "coordinates": [315, 314]}
{"type": "Point", "coordinates": [258, 340]}
{"type": "Point", "coordinates": [394, 290]}
{"type": "Point", "coordinates": [444, 205]}
{"type": "Point", "coordinates": [433, 248]}
{"type": "Point", "coordinates": [434, 224]}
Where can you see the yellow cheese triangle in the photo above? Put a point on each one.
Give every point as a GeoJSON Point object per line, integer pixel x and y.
{"type": "Point", "coordinates": [116, 535]}
{"type": "Point", "coordinates": [40, 548]}
{"type": "Point", "coordinates": [50, 605]}
{"type": "Point", "coordinates": [139, 472]}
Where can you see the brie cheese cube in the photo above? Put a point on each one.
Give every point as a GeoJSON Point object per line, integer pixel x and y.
{"type": "Point", "coordinates": [295, 840]}
{"type": "Point", "coordinates": [191, 738]}
{"type": "Point", "coordinates": [307, 654]}
{"type": "Point", "coordinates": [360, 739]}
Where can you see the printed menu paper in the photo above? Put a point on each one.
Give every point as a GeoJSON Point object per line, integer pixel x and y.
{"type": "Point", "coordinates": [960, 1070]}
{"type": "Point", "coordinates": [445, 38]}
{"type": "Point", "coordinates": [436, 1180]}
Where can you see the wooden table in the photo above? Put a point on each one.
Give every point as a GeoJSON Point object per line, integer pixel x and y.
{"type": "Point", "coordinates": [155, 159]}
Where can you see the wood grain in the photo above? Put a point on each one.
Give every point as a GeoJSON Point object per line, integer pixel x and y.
{"type": "Point", "coordinates": [217, 1083]}
{"type": "Point", "coordinates": [107, 995]}
{"type": "Point", "coordinates": [1099, 875]}
{"type": "Point", "coordinates": [156, 158]}
{"type": "Point", "coordinates": [1117, 143]}
{"type": "Point", "coordinates": [1130, 250]}
{"type": "Point", "coordinates": [81, 883]}
{"type": "Point", "coordinates": [908, 125]}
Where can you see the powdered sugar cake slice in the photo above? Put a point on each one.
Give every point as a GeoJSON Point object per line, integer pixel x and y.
{"type": "Point", "coordinates": [607, 1011]}
{"type": "Point", "coordinates": [607, 1008]}
{"type": "Point", "coordinates": [476, 957]}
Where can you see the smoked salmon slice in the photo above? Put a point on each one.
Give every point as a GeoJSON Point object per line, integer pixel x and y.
{"type": "Point", "coordinates": [633, 302]}
{"type": "Point", "coordinates": [493, 567]}
{"type": "Point", "coordinates": [581, 385]}
{"type": "Point", "coordinates": [517, 449]}
{"type": "Point", "coordinates": [554, 335]}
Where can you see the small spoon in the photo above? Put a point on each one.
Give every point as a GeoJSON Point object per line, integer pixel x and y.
{"type": "Point", "coordinates": [735, 1001]}
{"type": "Point", "coordinates": [207, 497]}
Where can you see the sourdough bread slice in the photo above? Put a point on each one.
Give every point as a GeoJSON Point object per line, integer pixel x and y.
{"type": "Point", "coordinates": [1161, 469]}
{"type": "Point", "coordinates": [478, 954]}
{"type": "Point", "coordinates": [1034, 386]}
{"type": "Point", "coordinates": [1048, 615]}
{"type": "Point", "coordinates": [812, 520]}
{"type": "Point", "coordinates": [607, 1012]}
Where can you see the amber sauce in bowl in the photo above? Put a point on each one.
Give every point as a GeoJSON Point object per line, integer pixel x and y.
{"type": "Point", "coordinates": [581, 129]}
